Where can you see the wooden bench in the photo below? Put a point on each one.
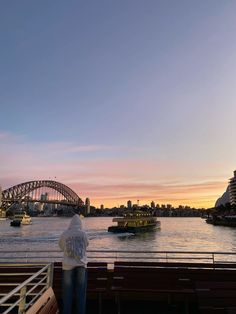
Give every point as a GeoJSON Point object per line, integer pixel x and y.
{"type": "Point", "coordinates": [141, 280]}
{"type": "Point", "coordinates": [216, 296]}
{"type": "Point", "coordinates": [179, 265]}
{"type": "Point", "coordinates": [97, 282]}
{"type": "Point", "coordinates": [174, 282]}
{"type": "Point", "coordinates": [46, 304]}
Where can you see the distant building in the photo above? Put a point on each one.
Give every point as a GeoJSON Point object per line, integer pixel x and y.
{"type": "Point", "coordinates": [152, 204]}
{"type": "Point", "coordinates": [129, 204]}
{"type": "Point", "coordinates": [102, 207]}
{"type": "Point", "coordinates": [87, 206]}
{"type": "Point", "coordinates": [47, 208]}
{"type": "Point", "coordinates": [38, 207]}
{"type": "Point", "coordinates": [2, 212]}
{"type": "Point", "coordinates": [232, 189]}
{"type": "Point", "coordinates": [0, 197]}
{"type": "Point", "coordinates": [44, 197]}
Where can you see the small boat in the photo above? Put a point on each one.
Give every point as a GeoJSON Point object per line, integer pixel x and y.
{"type": "Point", "coordinates": [21, 219]}
{"type": "Point", "coordinates": [134, 222]}
{"type": "Point", "coordinates": [26, 220]}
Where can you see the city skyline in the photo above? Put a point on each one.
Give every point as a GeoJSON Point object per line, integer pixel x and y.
{"type": "Point", "coordinates": [130, 100]}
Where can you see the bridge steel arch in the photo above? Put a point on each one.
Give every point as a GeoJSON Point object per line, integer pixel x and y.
{"type": "Point", "coordinates": [17, 192]}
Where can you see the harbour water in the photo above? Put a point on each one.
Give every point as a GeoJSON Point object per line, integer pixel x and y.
{"type": "Point", "coordinates": [178, 234]}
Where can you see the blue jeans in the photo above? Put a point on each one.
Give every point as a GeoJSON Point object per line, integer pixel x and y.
{"type": "Point", "coordinates": [74, 286]}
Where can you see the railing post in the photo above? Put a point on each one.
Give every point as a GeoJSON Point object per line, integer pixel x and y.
{"type": "Point", "coordinates": [21, 309]}
{"type": "Point", "coordinates": [50, 275]}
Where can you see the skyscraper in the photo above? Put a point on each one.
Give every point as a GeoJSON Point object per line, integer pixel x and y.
{"type": "Point", "coordinates": [87, 206]}
{"type": "Point", "coordinates": [129, 204]}
{"type": "Point", "coordinates": [232, 189]}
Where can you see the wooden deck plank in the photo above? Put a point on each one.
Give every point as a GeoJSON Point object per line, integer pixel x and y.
{"type": "Point", "coordinates": [46, 304]}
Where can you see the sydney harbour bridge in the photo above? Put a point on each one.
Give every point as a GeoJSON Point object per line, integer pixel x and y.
{"type": "Point", "coordinates": [32, 191]}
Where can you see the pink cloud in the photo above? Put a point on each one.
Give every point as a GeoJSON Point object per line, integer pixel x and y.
{"type": "Point", "coordinates": [108, 180]}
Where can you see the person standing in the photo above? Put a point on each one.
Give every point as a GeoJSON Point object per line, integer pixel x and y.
{"type": "Point", "coordinates": [73, 242]}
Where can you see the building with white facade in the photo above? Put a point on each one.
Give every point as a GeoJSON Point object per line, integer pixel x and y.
{"type": "Point", "coordinates": [232, 189]}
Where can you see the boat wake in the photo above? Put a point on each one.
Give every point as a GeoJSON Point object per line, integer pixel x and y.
{"type": "Point", "coordinates": [105, 234]}
{"type": "Point", "coordinates": [53, 238]}
{"type": "Point", "coordinates": [92, 235]}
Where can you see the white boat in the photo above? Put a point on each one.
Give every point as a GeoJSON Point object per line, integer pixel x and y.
{"type": "Point", "coordinates": [26, 220]}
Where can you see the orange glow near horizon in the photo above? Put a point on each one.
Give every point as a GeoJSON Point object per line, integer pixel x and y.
{"type": "Point", "coordinates": [198, 195]}
{"type": "Point", "coordinates": [117, 203]}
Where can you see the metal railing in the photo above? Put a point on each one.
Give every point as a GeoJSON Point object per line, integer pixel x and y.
{"type": "Point", "coordinates": [110, 256]}
{"type": "Point", "coordinates": [26, 293]}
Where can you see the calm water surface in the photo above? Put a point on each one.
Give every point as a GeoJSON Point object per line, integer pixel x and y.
{"type": "Point", "coordinates": [184, 234]}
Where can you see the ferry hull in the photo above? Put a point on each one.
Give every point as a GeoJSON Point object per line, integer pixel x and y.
{"type": "Point", "coordinates": [15, 223]}
{"type": "Point", "coordinates": [119, 229]}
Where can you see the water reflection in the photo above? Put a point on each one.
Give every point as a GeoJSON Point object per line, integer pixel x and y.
{"type": "Point", "coordinates": [185, 234]}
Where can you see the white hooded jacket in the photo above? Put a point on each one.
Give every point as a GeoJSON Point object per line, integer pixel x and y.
{"type": "Point", "coordinates": [73, 242]}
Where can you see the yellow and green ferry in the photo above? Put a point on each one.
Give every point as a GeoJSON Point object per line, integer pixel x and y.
{"type": "Point", "coordinates": [134, 222]}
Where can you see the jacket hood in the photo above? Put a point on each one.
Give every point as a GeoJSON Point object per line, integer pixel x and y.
{"type": "Point", "coordinates": [75, 223]}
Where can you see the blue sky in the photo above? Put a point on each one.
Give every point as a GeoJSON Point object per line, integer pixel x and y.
{"type": "Point", "coordinates": [107, 93]}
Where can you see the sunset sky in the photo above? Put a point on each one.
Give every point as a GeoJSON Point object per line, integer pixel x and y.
{"type": "Point", "coordinates": [128, 99]}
